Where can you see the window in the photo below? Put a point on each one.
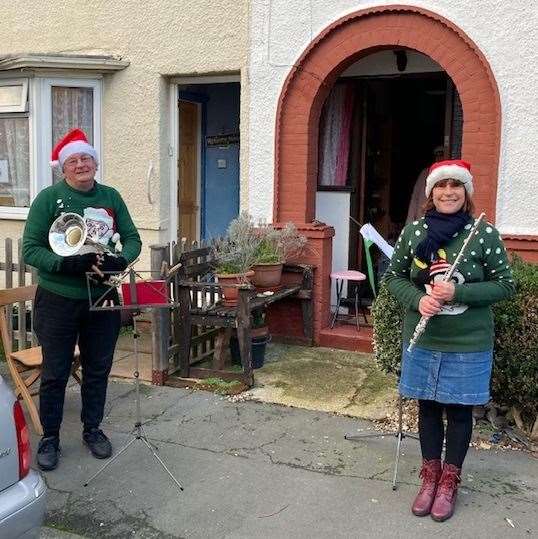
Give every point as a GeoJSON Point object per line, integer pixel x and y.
{"type": "Point", "coordinates": [71, 107]}
{"type": "Point", "coordinates": [14, 143]}
{"type": "Point", "coordinates": [13, 95]}
{"type": "Point", "coordinates": [14, 161]}
{"type": "Point", "coordinates": [34, 115]}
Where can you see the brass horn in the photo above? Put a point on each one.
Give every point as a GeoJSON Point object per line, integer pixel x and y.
{"type": "Point", "coordinates": [68, 234]}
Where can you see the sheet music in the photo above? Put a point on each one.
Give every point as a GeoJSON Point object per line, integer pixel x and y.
{"type": "Point", "coordinates": [370, 233]}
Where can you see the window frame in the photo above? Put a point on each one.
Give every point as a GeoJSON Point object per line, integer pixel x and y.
{"type": "Point", "coordinates": [22, 106]}
{"type": "Point", "coordinates": [40, 131]}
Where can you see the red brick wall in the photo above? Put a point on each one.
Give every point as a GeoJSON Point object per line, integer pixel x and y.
{"type": "Point", "coordinates": [285, 318]}
{"type": "Point", "coordinates": [525, 246]}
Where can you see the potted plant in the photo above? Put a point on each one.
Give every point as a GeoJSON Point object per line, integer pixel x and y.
{"type": "Point", "coordinates": [234, 256]}
{"type": "Point", "coordinates": [259, 334]}
{"type": "Point", "coordinates": [275, 247]}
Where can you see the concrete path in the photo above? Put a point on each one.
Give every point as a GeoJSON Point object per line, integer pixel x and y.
{"type": "Point", "coordinates": [260, 470]}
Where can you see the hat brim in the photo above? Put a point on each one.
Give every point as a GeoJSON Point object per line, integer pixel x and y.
{"type": "Point", "coordinates": [449, 172]}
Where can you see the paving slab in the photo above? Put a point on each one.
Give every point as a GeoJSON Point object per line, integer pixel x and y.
{"type": "Point", "coordinates": [317, 378]}
{"type": "Point", "coordinates": [253, 469]}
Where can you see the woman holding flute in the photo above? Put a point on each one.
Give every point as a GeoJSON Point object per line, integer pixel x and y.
{"type": "Point", "coordinates": [449, 368]}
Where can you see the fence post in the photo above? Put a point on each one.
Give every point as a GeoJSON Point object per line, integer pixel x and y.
{"type": "Point", "coordinates": [160, 321]}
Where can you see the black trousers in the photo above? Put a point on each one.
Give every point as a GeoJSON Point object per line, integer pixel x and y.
{"type": "Point", "coordinates": [60, 323]}
{"type": "Point", "coordinates": [431, 430]}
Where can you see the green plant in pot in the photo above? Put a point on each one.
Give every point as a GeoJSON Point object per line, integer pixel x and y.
{"type": "Point", "coordinates": [234, 256]}
{"type": "Point", "coordinates": [275, 247]}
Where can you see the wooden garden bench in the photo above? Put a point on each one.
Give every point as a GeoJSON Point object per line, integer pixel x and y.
{"type": "Point", "coordinates": [200, 305]}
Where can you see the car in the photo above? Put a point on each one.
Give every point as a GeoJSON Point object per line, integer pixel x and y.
{"type": "Point", "coordinates": [22, 490]}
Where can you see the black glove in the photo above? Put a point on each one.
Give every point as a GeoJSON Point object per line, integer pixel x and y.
{"type": "Point", "coordinates": [112, 263]}
{"type": "Point", "coordinates": [78, 264]}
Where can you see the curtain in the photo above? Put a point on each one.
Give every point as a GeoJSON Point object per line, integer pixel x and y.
{"type": "Point", "coordinates": [14, 162]}
{"type": "Point", "coordinates": [71, 107]}
{"type": "Point", "coordinates": [334, 136]}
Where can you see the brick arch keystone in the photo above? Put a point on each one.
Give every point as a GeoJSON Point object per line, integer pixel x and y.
{"type": "Point", "coordinates": [344, 42]}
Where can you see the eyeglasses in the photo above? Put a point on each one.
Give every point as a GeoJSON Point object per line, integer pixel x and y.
{"type": "Point", "coordinates": [73, 162]}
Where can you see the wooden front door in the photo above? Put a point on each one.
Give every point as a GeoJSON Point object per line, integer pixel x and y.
{"type": "Point", "coordinates": [188, 206]}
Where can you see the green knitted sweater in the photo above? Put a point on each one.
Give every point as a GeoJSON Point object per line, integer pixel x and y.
{"type": "Point", "coordinates": [482, 278]}
{"type": "Point", "coordinates": [105, 213]}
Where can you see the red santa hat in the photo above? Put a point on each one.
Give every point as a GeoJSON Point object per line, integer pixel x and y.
{"type": "Point", "coordinates": [454, 169]}
{"type": "Point", "coordinates": [74, 142]}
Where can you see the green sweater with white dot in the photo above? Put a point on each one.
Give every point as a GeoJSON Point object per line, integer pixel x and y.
{"type": "Point", "coordinates": [482, 278]}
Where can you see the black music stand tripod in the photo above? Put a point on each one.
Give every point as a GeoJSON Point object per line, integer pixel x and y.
{"type": "Point", "coordinates": [400, 435]}
{"type": "Point", "coordinates": [137, 433]}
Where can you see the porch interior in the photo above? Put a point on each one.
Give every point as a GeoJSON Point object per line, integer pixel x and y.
{"type": "Point", "coordinates": [387, 118]}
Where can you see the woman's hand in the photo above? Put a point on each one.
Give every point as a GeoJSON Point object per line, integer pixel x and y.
{"type": "Point", "coordinates": [443, 291]}
{"type": "Point", "coordinates": [428, 306]}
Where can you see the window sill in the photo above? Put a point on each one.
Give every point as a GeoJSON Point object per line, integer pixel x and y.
{"type": "Point", "coordinates": [13, 214]}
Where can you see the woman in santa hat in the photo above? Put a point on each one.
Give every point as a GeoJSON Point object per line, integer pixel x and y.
{"type": "Point", "coordinates": [62, 315]}
{"type": "Point", "coordinates": [449, 369]}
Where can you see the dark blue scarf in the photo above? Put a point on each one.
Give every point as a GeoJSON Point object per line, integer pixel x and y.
{"type": "Point", "coordinates": [441, 229]}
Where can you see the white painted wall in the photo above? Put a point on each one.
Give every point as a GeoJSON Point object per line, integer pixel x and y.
{"type": "Point", "coordinates": [506, 33]}
{"type": "Point", "coordinates": [333, 208]}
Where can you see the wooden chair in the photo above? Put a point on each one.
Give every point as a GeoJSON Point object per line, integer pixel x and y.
{"type": "Point", "coordinates": [25, 365]}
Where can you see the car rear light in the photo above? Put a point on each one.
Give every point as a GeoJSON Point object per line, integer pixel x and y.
{"type": "Point", "coordinates": [23, 440]}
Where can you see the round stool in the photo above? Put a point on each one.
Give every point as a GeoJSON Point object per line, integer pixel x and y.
{"type": "Point", "coordinates": [339, 278]}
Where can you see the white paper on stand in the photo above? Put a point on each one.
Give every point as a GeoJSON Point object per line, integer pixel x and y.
{"type": "Point", "coordinates": [370, 233]}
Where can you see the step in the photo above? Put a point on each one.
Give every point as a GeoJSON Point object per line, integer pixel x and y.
{"type": "Point", "coordinates": [347, 337]}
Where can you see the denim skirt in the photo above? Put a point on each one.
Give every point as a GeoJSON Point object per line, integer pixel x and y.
{"type": "Point", "coordinates": [446, 377]}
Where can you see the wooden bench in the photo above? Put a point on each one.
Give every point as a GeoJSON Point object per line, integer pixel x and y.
{"type": "Point", "coordinates": [199, 299]}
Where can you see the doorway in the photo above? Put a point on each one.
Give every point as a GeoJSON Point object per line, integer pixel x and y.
{"type": "Point", "coordinates": [208, 158]}
{"type": "Point", "coordinates": [395, 125]}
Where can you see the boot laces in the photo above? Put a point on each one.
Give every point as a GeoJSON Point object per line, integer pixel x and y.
{"type": "Point", "coordinates": [449, 481]}
{"type": "Point", "coordinates": [429, 475]}
{"type": "Point", "coordinates": [429, 472]}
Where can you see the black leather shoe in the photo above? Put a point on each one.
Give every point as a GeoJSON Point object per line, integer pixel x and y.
{"type": "Point", "coordinates": [48, 453]}
{"type": "Point", "coordinates": [98, 443]}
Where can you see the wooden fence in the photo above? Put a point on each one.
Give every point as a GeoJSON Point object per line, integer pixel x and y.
{"type": "Point", "coordinates": [166, 324]}
{"type": "Point", "coordinates": [16, 273]}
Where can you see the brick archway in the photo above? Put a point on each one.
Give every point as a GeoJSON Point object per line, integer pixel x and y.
{"type": "Point", "coordinates": [305, 90]}
{"type": "Point", "coordinates": [343, 43]}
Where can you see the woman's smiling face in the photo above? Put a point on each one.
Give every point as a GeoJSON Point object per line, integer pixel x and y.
{"type": "Point", "coordinates": [448, 196]}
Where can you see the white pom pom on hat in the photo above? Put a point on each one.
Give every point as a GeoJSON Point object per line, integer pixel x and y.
{"type": "Point", "coordinates": [454, 169]}
{"type": "Point", "coordinates": [73, 142]}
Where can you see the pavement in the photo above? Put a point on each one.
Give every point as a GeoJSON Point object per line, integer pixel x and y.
{"type": "Point", "coordinates": [252, 469]}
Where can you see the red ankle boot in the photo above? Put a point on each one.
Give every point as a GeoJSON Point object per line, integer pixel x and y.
{"type": "Point", "coordinates": [430, 474]}
{"type": "Point", "coordinates": [447, 490]}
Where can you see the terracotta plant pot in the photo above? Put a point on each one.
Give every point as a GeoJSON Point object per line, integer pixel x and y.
{"type": "Point", "coordinates": [231, 293]}
{"type": "Point", "coordinates": [267, 275]}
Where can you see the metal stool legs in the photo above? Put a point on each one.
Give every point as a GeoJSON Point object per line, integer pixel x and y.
{"type": "Point", "coordinates": [339, 283]}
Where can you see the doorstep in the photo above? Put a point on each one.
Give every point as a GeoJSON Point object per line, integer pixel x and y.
{"type": "Point", "coordinates": [347, 337]}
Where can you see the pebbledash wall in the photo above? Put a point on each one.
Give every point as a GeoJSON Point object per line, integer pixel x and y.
{"type": "Point", "coordinates": [161, 39]}
{"type": "Point", "coordinates": [299, 48]}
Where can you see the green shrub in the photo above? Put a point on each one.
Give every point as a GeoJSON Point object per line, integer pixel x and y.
{"type": "Point", "coordinates": [388, 317]}
{"type": "Point", "coordinates": [515, 373]}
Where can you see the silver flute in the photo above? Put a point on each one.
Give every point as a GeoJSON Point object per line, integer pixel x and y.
{"type": "Point", "coordinates": [423, 322]}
